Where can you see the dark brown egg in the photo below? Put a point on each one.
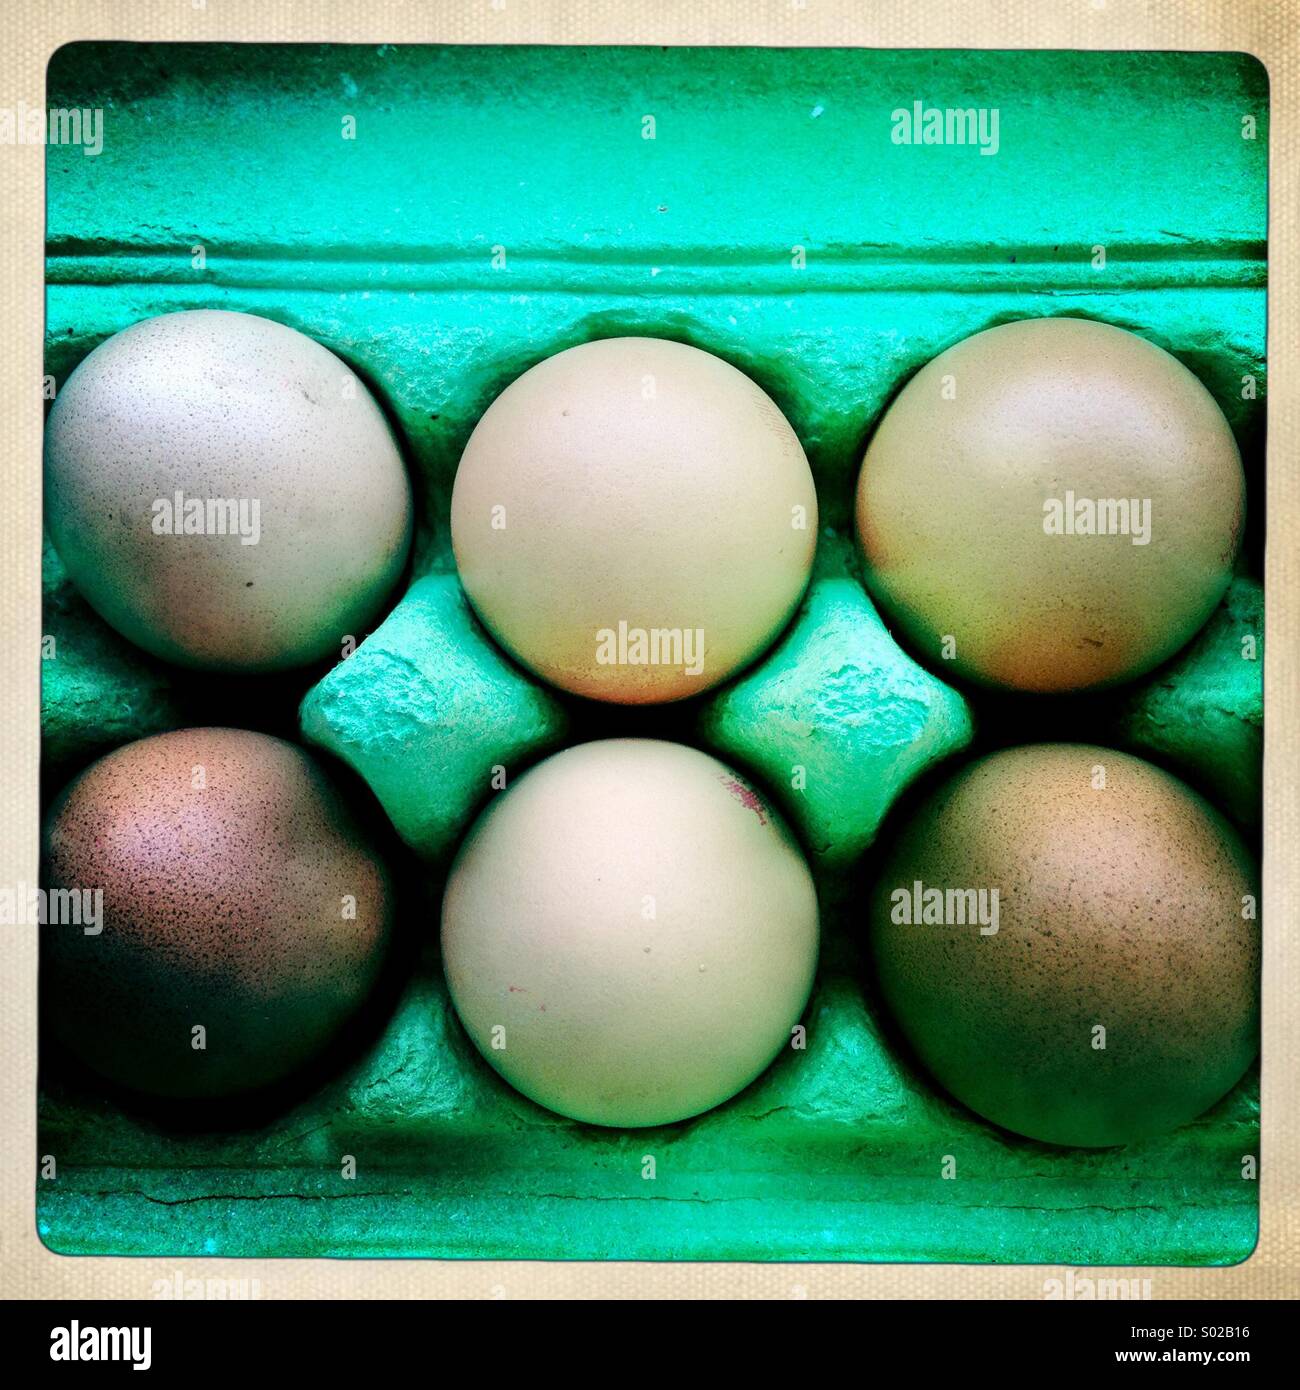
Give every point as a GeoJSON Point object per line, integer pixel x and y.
{"type": "Point", "coordinates": [244, 915]}
{"type": "Point", "coordinates": [1068, 938]}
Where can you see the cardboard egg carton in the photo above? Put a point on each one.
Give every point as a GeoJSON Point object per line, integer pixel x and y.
{"type": "Point", "coordinates": [443, 218]}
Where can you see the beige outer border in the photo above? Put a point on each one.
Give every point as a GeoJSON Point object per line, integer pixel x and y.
{"type": "Point", "coordinates": [1270, 29]}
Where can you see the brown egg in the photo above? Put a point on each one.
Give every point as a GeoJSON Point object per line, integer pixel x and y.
{"type": "Point", "coordinates": [630, 933]}
{"type": "Point", "coordinates": [225, 492]}
{"type": "Point", "coordinates": [634, 519]}
{"type": "Point", "coordinates": [244, 915]}
{"type": "Point", "coordinates": [1068, 938]}
{"type": "Point", "coordinates": [1051, 505]}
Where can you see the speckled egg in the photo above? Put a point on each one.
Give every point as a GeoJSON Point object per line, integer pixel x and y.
{"type": "Point", "coordinates": [630, 933]}
{"type": "Point", "coordinates": [1069, 939]}
{"type": "Point", "coordinates": [634, 520]}
{"type": "Point", "coordinates": [245, 915]}
{"type": "Point", "coordinates": [225, 492]}
{"type": "Point", "coordinates": [1050, 505]}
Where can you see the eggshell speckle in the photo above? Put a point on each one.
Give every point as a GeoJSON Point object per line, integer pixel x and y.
{"type": "Point", "coordinates": [634, 486]}
{"type": "Point", "coordinates": [239, 897]}
{"type": "Point", "coordinates": [1125, 906]}
{"type": "Point", "coordinates": [231, 409]}
{"type": "Point", "coordinates": [630, 933]}
{"type": "Point", "coordinates": [965, 488]}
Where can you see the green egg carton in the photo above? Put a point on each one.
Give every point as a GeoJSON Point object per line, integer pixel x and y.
{"type": "Point", "coordinates": [443, 218]}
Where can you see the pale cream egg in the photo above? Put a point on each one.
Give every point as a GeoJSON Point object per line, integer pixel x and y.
{"type": "Point", "coordinates": [225, 492]}
{"type": "Point", "coordinates": [634, 520]}
{"type": "Point", "coordinates": [630, 933]}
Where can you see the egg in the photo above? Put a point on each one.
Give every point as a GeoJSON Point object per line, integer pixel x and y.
{"type": "Point", "coordinates": [245, 915]}
{"type": "Point", "coordinates": [1050, 505]}
{"type": "Point", "coordinates": [630, 933]}
{"type": "Point", "coordinates": [225, 492]}
{"type": "Point", "coordinates": [634, 520]}
{"type": "Point", "coordinates": [1068, 938]}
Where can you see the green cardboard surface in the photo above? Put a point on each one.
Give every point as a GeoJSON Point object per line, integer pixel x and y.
{"type": "Point", "coordinates": [427, 710]}
{"type": "Point", "coordinates": [496, 206]}
{"type": "Point", "coordinates": [838, 720]}
{"type": "Point", "coordinates": [1204, 713]}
